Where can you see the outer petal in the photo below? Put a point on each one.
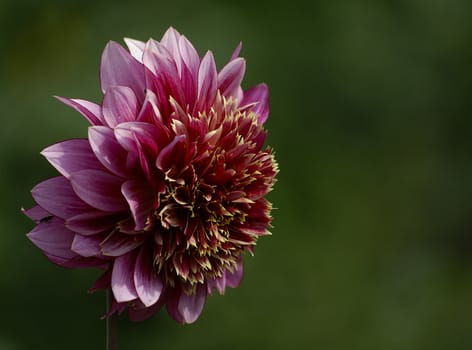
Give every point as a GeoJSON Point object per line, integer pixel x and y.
{"type": "Point", "coordinates": [99, 189]}
{"type": "Point", "coordinates": [119, 105]}
{"type": "Point", "coordinates": [92, 222]}
{"type": "Point", "coordinates": [36, 213]}
{"type": "Point", "coordinates": [86, 246]}
{"type": "Point", "coordinates": [118, 67]}
{"type": "Point", "coordinates": [207, 82]}
{"type": "Point", "coordinates": [54, 239]}
{"type": "Point", "coordinates": [71, 156]}
{"type": "Point", "coordinates": [231, 76]}
{"type": "Point", "coordinates": [56, 196]}
{"type": "Point", "coordinates": [148, 284]}
{"type": "Point", "coordinates": [122, 278]}
{"type": "Point", "coordinates": [191, 306]}
{"type": "Point", "coordinates": [141, 198]}
{"type": "Point", "coordinates": [107, 149]}
{"type": "Point", "coordinates": [233, 279]}
{"type": "Point", "coordinates": [118, 244]}
{"type": "Point", "coordinates": [136, 48]}
{"type": "Point", "coordinates": [257, 100]}
{"type": "Point", "coordinates": [91, 111]}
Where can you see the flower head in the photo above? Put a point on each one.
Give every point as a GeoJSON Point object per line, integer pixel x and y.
{"type": "Point", "coordinates": [167, 192]}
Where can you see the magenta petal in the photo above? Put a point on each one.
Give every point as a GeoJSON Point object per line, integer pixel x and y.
{"type": "Point", "coordinates": [118, 67]}
{"type": "Point", "coordinates": [56, 196]}
{"type": "Point", "coordinates": [233, 279]}
{"type": "Point", "coordinates": [71, 156]}
{"type": "Point", "coordinates": [231, 76]}
{"type": "Point", "coordinates": [91, 111]}
{"type": "Point", "coordinates": [191, 306]}
{"type": "Point", "coordinates": [148, 284]}
{"type": "Point", "coordinates": [207, 82]}
{"type": "Point", "coordinates": [99, 189]}
{"type": "Point", "coordinates": [135, 48]}
{"type": "Point", "coordinates": [107, 149]}
{"type": "Point", "coordinates": [122, 278]}
{"type": "Point", "coordinates": [141, 198]}
{"type": "Point", "coordinates": [36, 213]}
{"type": "Point", "coordinates": [139, 312]}
{"type": "Point", "coordinates": [189, 56]}
{"type": "Point", "coordinates": [257, 98]}
{"type": "Point", "coordinates": [172, 153]}
{"type": "Point", "coordinates": [92, 222]}
{"type": "Point", "coordinates": [119, 105]}
{"type": "Point", "coordinates": [237, 51]}
{"type": "Point", "coordinates": [54, 239]}
{"type": "Point", "coordinates": [117, 244]}
{"type": "Point", "coordinates": [87, 246]}
{"type": "Point", "coordinates": [170, 40]}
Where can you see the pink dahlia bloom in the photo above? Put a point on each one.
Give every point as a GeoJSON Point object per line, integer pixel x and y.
{"type": "Point", "coordinates": [167, 192]}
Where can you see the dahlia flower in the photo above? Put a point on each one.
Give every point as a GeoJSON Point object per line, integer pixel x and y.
{"type": "Point", "coordinates": [167, 192]}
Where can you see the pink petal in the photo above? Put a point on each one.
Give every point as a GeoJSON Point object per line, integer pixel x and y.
{"type": "Point", "coordinates": [36, 213]}
{"type": "Point", "coordinates": [92, 222]}
{"type": "Point", "coordinates": [191, 306]}
{"type": "Point", "coordinates": [87, 246]}
{"type": "Point", "coordinates": [136, 48]}
{"type": "Point", "coordinates": [71, 156]}
{"type": "Point", "coordinates": [118, 67]}
{"type": "Point", "coordinates": [56, 196]}
{"type": "Point", "coordinates": [233, 279]}
{"type": "Point", "coordinates": [141, 198]}
{"type": "Point", "coordinates": [107, 149]}
{"type": "Point", "coordinates": [231, 76]}
{"type": "Point", "coordinates": [54, 239]}
{"type": "Point", "coordinates": [119, 105]}
{"type": "Point", "coordinates": [237, 51]}
{"type": "Point", "coordinates": [99, 189]}
{"type": "Point", "coordinates": [91, 111]}
{"type": "Point", "coordinates": [118, 244]}
{"type": "Point", "coordinates": [257, 100]}
{"type": "Point", "coordinates": [189, 56]}
{"type": "Point", "coordinates": [171, 155]}
{"type": "Point", "coordinates": [170, 40]}
{"type": "Point", "coordinates": [122, 278]}
{"type": "Point", "coordinates": [148, 284]}
{"type": "Point", "coordinates": [207, 82]}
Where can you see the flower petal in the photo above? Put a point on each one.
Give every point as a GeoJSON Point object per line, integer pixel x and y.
{"type": "Point", "coordinates": [118, 244]}
{"type": "Point", "coordinates": [36, 213]}
{"type": "Point", "coordinates": [191, 306]}
{"type": "Point", "coordinates": [119, 105]}
{"type": "Point", "coordinates": [207, 82]}
{"type": "Point", "coordinates": [71, 156]}
{"type": "Point", "coordinates": [91, 111]}
{"type": "Point", "coordinates": [231, 76]}
{"type": "Point", "coordinates": [257, 100]}
{"type": "Point", "coordinates": [107, 149]}
{"type": "Point", "coordinates": [54, 239]}
{"type": "Point", "coordinates": [87, 246]}
{"type": "Point", "coordinates": [233, 279]}
{"type": "Point", "coordinates": [135, 48]}
{"type": "Point", "coordinates": [141, 198]}
{"type": "Point", "coordinates": [118, 67]}
{"type": "Point", "coordinates": [92, 222]}
{"type": "Point", "coordinates": [56, 196]}
{"type": "Point", "coordinates": [99, 189]}
{"type": "Point", "coordinates": [148, 284]}
{"type": "Point", "coordinates": [122, 278]}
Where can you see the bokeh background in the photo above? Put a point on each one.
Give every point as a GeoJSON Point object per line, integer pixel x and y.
{"type": "Point", "coordinates": [370, 119]}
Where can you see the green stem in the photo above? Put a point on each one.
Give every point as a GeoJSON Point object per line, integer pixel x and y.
{"type": "Point", "coordinates": [112, 325]}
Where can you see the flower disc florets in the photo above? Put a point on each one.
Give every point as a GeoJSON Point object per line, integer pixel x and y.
{"type": "Point", "coordinates": [168, 190]}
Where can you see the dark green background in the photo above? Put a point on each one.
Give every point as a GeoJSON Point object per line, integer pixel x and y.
{"type": "Point", "coordinates": [370, 119]}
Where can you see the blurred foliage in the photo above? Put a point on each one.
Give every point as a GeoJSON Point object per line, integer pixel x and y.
{"type": "Point", "coordinates": [370, 119]}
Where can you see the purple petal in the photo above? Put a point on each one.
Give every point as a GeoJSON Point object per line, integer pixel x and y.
{"type": "Point", "coordinates": [102, 283]}
{"type": "Point", "coordinates": [71, 156]}
{"type": "Point", "coordinates": [139, 312]}
{"type": "Point", "coordinates": [54, 239]}
{"type": "Point", "coordinates": [118, 67]}
{"type": "Point", "coordinates": [118, 244]}
{"type": "Point", "coordinates": [99, 189]}
{"type": "Point", "coordinates": [231, 76]}
{"type": "Point", "coordinates": [108, 150]}
{"type": "Point", "coordinates": [36, 213]}
{"type": "Point", "coordinates": [56, 196]}
{"type": "Point", "coordinates": [172, 154]}
{"type": "Point", "coordinates": [170, 40]}
{"type": "Point", "coordinates": [257, 100]}
{"type": "Point", "coordinates": [237, 51]}
{"type": "Point", "coordinates": [136, 48]}
{"type": "Point", "coordinates": [87, 246]}
{"type": "Point", "coordinates": [148, 284]}
{"type": "Point", "coordinates": [189, 56]}
{"type": "Point", "coordinates": [119, 105]}
{"type": "Point", "coordinates": [191, 306]}
{"type": "Point", "coordinates": [141, 198]}
{"type": "Point", "coordinates": [207, 82]}
{"type": "Point", "coordinates": [91, 111]}
{"type": "Point", "coordinates": [122, 278]}
{"type": "Point", "coordinates": [92, 222]}
{"type": "Point", "coordinates": [233, 279]}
